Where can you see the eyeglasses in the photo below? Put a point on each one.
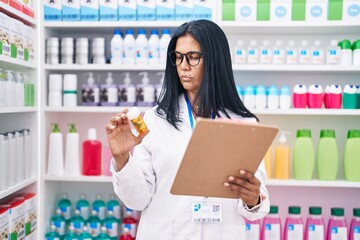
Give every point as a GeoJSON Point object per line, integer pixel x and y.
{"type": "Point", "coordinates": [192, 58]}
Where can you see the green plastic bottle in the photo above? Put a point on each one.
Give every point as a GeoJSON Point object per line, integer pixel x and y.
{"type": "Point", "coordinates": [59, 222]}
{"type": "Point", "coordinates": [71, 235]}
{"type": "Point", "coordinates": [52, 234]}
{"type": "Point", "coordinates": [103, 235]}
{"type": "Point", "coordinates": [83, 206]}
{"type": "Point", "coordinates": [303, 155]}
{"type": "Point", "coordinates": [94, 224]}
{"type": "Point", "coordinates": [65, 206]}
{"type": "Point", "coordinates": [327, 156]}
{"type": "Point", "coordinates": [114, 205]}
{"type": "Point", "coordinates": [112, 225]}
{"type": "Point", "coordinates": [352, 156]}
{"type": "Point", "coordinates": [85, 235]}
{"type": "Point", "coordinates": [100, 207]}
{"type": "Point", "coordinates": [78, 222]}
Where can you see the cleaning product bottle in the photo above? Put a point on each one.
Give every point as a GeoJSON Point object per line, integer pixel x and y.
{"type": "Point", "coordinates": [77, 222]}
{"type": "Point", "coordinates": [158, 87]}
{"type": "Point", "coordinates": [141, 48]}
{"type": "Point", "coordinates": [356, 52]}
{"type": "Point", "coordinates": [240, 53]}
{"type": "Point", "coordinates": [315, 96]}
{"type": "Point", "coordinates": [346, 52]}
{"type": "Point", "coordinates": [317, 53]}
{"type": "Point", "coordinates": [94, 224]}
{"type": "Point", "coordinates": [352, 156]}
{"type": "Point", "coordinates": [134, 115]}
{"type": "Point", "coordinates": [265, 53]}
{"type": "Point", "coordinates": [335, 96]}
{"type": "Point", "coordinates": [59, 222]}
{"type": "Point", "coordinates": [71, 235]}
{"type": "Point", "coordinates": [249, 97]}
{"type": "Point", "coordinates": [303, 155]}
{"type": "Point", "coordinates": [271, 227]}
{"type": "Point", "coordinates": [109, 92]}
{"type": "Point", "coordinates": [327, 156]}
{"type": "Point", "coordinates": [282, 157]}
{"type": "Point", "coordinates": [2, 89]}
{"type": "Point", "coordinates": [333, 56]}
{"type": "Point", "coordinates": [252, 229]}
{"type": "Point", "coordinates": [116, 48]}
{"type": "Point", "coordinates": [85, 235]}
{"type": "Point", "coordinates": [52, 234]}
{"type": "Point", "coordinates": [304, 53]}
{"type": "Point", "coordinates": [127, 92]}
{"type": "Point", "coordinates": [145, 91]}
{"type": "Point", "coordinates": [164, 43]}
{"type": "Point", "coordinates": [349, 97]}
{"type": "Point", "coordinates": [268, 162]}
{"type": "Point", "coordinates": [91, 155]}
{"type": "Point", "coordinates": [83, 206]}
{"type": "Point", "coordinates": [315, 226]}
{"type": "Point", "coordinates": [272, 97]}
{"type": "Point", "coordinates": [358, 95]}
{"type": "Point", "coordinates": [90, 92]}
{"type": "Point", "coordinates": [154, 48]}
{"type": "Point", "coordinates": [10, 89]}
{"type": "Point", "coordinates": [291, 53]}
{"type": "Point", "coordinates": [64, 205]}
{"type": "Point", "coordinates": [55, 157]}
{"type": "Point", "coordinates": [294, 226]}
{"type": "Point", "coordinates": [114, 206]}
{"type": "Point", "coordinates": [278, 53]}
{"type": "Point", "coordinates": [285, 98]}
{"type": "Point", "coordinates": [112, 225]}
{"type": "Point", "coordinates": [253, 53]}
{"type": "Point", "coordinates": [72, 154]}
{"type": "Point", "coordinates": [129, 48]}
{"type": "Point", "coordinates": [29, 91]}
{"type": "Point", "coordinates": [300, 96]}
{"type": "Point", "coordinates": [129, 222]}
{"type": "Point", "coordinates": [354, 232]}
{"type": "Point", "coordinates": [126, 235]}
{"type": "Point", "coordinates": [103, 235]}
{"type": "Point", "coordinates": [100, 207]}
{"type": "Point", "coordinates": [4, 156]}
{"type": "Point", "coordinates": [337, 226]}
{"type": "Point", "coordinates": [260, 97]}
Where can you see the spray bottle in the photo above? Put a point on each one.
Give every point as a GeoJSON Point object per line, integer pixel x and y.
{"type": "Point", "coordinates": [127, 92]}
{"type": "Point", "coordinates": [282, 157]}
{"type": "Point", "coordinates": [90, 92]}
{"type": "Point", "coordinates": [109, 92]}
{"type": "Point", "coordinates": [145, 91]}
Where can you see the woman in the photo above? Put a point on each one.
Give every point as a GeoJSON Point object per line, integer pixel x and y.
{"type": "Point", "coordinates": [198, 82]}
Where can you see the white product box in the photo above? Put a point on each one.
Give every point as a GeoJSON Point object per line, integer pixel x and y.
{"type": "Point", "coordinates": [146, 10]}
{"type": "Point", "coordinates": [316, 10]}
{"type": "Point", "coordinates": [89, 10]}
{"type": "Point", "coordinates": [71, 10]}
{"type": "Point", "coordinates": [127, 10]}
{"type": "Point", "coordinates": [17, 219]}
{"type": "Point", "coordinates": [30, 212]}
{"type": "Point", "coordinates": [184, 10]}
{"type": "Point", "coordinates": [52, 10]}
{"type": "Point", "coordinates": [245, 10]}
{"type": "Point", "coordinates": [108, 10]}
{"type": "Point", "coordinates": [4, 34]}
{"type": "Point", "coordinates": [4, 221]}
{"type": "Point", "coordinates": [17, 39]}
{"type": "Point", "coordinates": [203, 9]}
{"type": "Point", "coordinates": [29, 39]}
{"type": "Point", "coordinates": [280, 10]}
{"type": "Point", "coordinates": [32, 236]}
{"type": "Point", "coordinates": [165, 10]}
{"type": "Point", "coordinates": [351, 10]}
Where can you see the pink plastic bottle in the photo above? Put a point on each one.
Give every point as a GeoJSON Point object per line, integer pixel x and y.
{"type": "Point", "coordinates": [126, 235]}
{"type": "Point", "coordinates": [294, 226]}
{"type": "Point", "coordinates": [91, 155]}
{"type": "Point", "coordinates": [337, 227]}
{"type": "Point", "coordinates": [130, 223]}
{"type": "Point", "coordinates": [315, 226]}
{"type": "Point", "coordinates": [354, 232]}
{"type": "Point", "coordinates": [271, 228]}
{"type": "Point", "coordinates": [300, 96]}
{"type": "Point", "coordinates": [252, 230]}
{"type": "Point", "coordinates": [315, 96]}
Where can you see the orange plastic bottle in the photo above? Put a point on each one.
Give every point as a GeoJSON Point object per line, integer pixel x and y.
{"type": "Point", "coordinates": [268, 162]}
{"type": "Point", "coordinates": [282, 158]}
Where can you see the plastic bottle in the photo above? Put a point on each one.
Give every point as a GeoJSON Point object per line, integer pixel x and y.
{"type": "Point", "coordinates": [145, 91]}
{"type": "Point", "coordinates": [72, 155]}
{"type": "Point", "coordinates": [337, 227]}
{"type": "Point", "coordinates": [273, 98]}
{"type": "Point", "coordinates": [94, 224]}
{"type": "Point", "coordinates": [315, 96]}
{"type": "Point", "coordinates": [114, 206]}
{"type": "Point", "coordinates": [130, 223]}
{"type": "Point", "coordinates": [83, 206]}
{"type": "Point", "coordinates": [249, 97]}
{"type": "Point", "coordinates": [59, 222]}
{"type": "Point", "coordinates": [333, 56]}
{"type": "Point", "coordinates": [116, 48]}
{"type": "Point", "coordinates": [352, 156]}
{"type": "Point", "coordinates": [358, 96]}
{"type": "Point", "coordinates": [285, 98]}
{"type": "Point", "coordinates": [108, 92]}
{"type": "Point", "coordinates": [253, 52]}
{"type": "Point", "coordinates": [127, 92]}
{"type": "Point", "coordinates": [164, 44]}
{"type": "Point", "coordinates": [4, 156]}
{"type": "Point", "coordinates": [317, 53]}
{"type": "Point", "coordinates": [356, 53]}
{"type": "Point", "coordinates": [346, 52]}
{"type": "Point", "coordinates": [55, 157]}
{"type": "Point", "coordinates": [282, 158]}
{"type": "Point", "coordinates": [64, 205]}
{"type": "Point", "coordinates": [315, 226]}
{"type": "Point", "coordinates": [126, 235]}
{"type": "Point", "coordinates": [260, 97]}
{"type": "Point", "coordinates": [268, 162]}
{"type": "Point", "coordinates": [154, 48]}
{"type": "Point", "coordinates": [2, 89]}
{"type": "Point", "coordinates": [90, 92]}
{"type": "Point", "coordinates": [291, 53]}
{"type": "Point", "coordinates": [10, 89]}
{"type": "Point", "coordinates": [334, 98]}
{"type": "Point", "coordinates": [278, 53]}
{"type": "Point", "coordinates": [158, 87]}
{"type": "Point", "coordinates": [55, 90]}
{"type": "Point", "coordinates": [70, 90]}
{"type": "Point", "coordinates": [91, 155]}
{"type": "Point", "coordinates": [52, 234]}
{"type": "Point", "coordinates": [98, 50]}
{"type": "Point", "coordinates": [20, 95]}
{"type": "Point", "coordinates": [327, 156]}
{"type": "Point", "coordinates": [71, 235]}
{"type": "Point", "coordinates": [265, 53]}
{"type": "Point", "coordinates": [77, 222]}
{"type": "Point", "coordinates": [300, 95]}
{"type": "Point", "coordinates": [294, 226]}
{"type": "Point", "coordinates": [112, 225]}
{"type": "Point", "coordinates": [354, 231]}
{"type": "Point", "coordinates": [100, 207]}
{"type": "Point", "coordinates": [103, 235]}
{"type": "Point", "coordinates": [349, 97]}
{"type": "Point", "coordinates": [304, 53]}
{"type": "Point", "coordinates": [240, 53]}
{"type": "Point", "coordinates": [85, 235]}
{"type": "Point", "coordinates": [29, 91]}
{"type": "Point", "coordinates": [13, 156]}
{"type": "Point", "coordinates": [271, 228]}
{"type": "Point", "coordinates": [141, 47]}
{"type": "Point", "coordinates": [252, 229]}
{"type": "Point", "coordinates": [138, 122]}
{"type": "Point", "coordinates": [129, 48]}
{"type": "Point", "coordinates": [303, 155]}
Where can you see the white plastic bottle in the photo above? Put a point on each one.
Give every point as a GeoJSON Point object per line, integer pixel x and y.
{"type": "Point", "coordinates": [249, 97]}
{"type": "Point", "coordinates": [273, 98]}
{"type": "Point", "coordinates": [154, 48]}
{"type": "Point", "coordinates": [266, 53]}
{"type": "Point", "coordinates": [278, 53]}
{"type": "Point", "coordinates": [158, 87]}
{"type": "Point", "coordinates": [55, 157]}
{"type": "Point", "coordinates": [20, 156]}
{"type": "Point", "coordinates": [70, 90]}
{"type": "Point", "coordinates": [356, 53]}
{"type": "Point", "coordinates": [260, 97]}
{"type": "Point", "coordinates": [285, 98]}
{"type": "Point", "coordinates": [10, 89]}
{"type": "Point", "coordinates": [346, 52]}
{"type": "Point", "coordinates": [2, 89]}
{"type": "Point", "coordinates": [164, 44]}
{"type": "Point", "coordinates": [4, 156]}
{"type": "Point", "coordinates": [109, 92]}
{"type": "Point", "coordinates": [12, 159]}
{"type": "Point", "coordinates": [72, 152]}
{"type": "Point", "coordinates": [333, 54]}
{"type": "Point", "coordinates": [127, 92]}
{"type": "Point", "coordinates": [253, 53]}
{"type": "Point", "coordinates": [141, 48]}
{"type": "Point", "coordinates": [20, 99]}
{"type": "Point", "coordinates": [116, 48]}
{"type": "Point", "coordinates": [145, 91]}
{"type": "Point", "coordinates": [317, 53]}
{"type": "Point", "coordinates": [304, 53]}
{"type": "Point", "coordinates": [240, 53]}
{"type": "Point", "coordinates": [55, 90]}
{"type": "Point", "coordinates": [129, 48]}
{"type": "Point", "coordinates": [291, 53]}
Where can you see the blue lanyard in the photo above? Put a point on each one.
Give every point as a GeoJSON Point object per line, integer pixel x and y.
{"type": "Point", "coordinates": [191, 114]}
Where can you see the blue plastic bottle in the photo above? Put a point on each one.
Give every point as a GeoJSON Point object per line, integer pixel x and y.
{"type": "Point", "coordinates": [59, 222]}
{"type": "Point", "coordinates": [71, 235]}
{"type": "Point", "coordinates": [83, 206]}
{"type": "Point", "coordinates": [114, 205]}
{"type": "Point", "coordinates": [112, 225]}
{"type": "Point", "coordinates": [94, 224]}
{"type": "Point", "coordinates": [85, 235]}
{"type": "Point", "coordinates": [52, 234]}
{"type": "Point", "coordinates": [78, 222]}
{"type": "Point", "coordinates": [100, 207]}
{"type": "Point", "coordinates": [65, 206]}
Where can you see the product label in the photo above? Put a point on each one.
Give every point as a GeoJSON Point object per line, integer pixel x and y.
{"type": "Point", "coordinates": [317, 57]}
{"type": "Point", "coordinates": [304, 57]}
{"type": "Point", "coordinates": [94, 228]}
{"type": "Point", "coordinates": [184, 9]}
{"type": "Point", "coordinates": [338, 233]}
{"type": "Point", "coordinates": [127, 95]}
{"type": "Point", "coordinates": [108, 10]}
{"type": "Point", "coordinates": [333, 56]}
{"type": "Point", "coordinates": [252, 231]}
{"type": "Point", "coordinates": [71, 10]}
{"type": "Point", "coordinates": [272, 231]}
{"type": "Point", "coordinates": [112, 229]}
{"type": "Point", "coordinates": [245, 10]}
{"type": "Point", "coordinates": [165, 10]}
{"type": "Point", "coordinates": [240, 56]}
{"type": "Point", "coordinates": [4, 35]}
{"type": "Point", "coordinates": [291, 56]}
{"type": "Point", "coordinates": [132, 228]}
{"type": "Point", "coordinates": [85, 211]}
{"type": "Point", "coordinates": [17, 221]}
{"type": "Point", "coordinates": [89, 95]}
{"type": "Point", "coordinates": [206, 213]}
{"type": "Point", "coordinates": [127, 10]}
{"type": "Point", "coordinates": [356, 233]}
{"type": "Point", "coordinates": [116, 210]}
{"type": "Point", "coordinates": [78, 226]}
{"type": "Point", "coordinates": [295, 231]}
{"type": "Point", "coordinates": [253, 56]}
{"type": "Point", "coordinates": [66, 212]}
{"type": "Point", "coordinates": [146, 10]}
{"type": "Point", "coordinates": [203, 9]}
{"type": "Point", "coordinates": [17, 39]}
{"type": "Point", "coordinates": [89, 10]}
{"type": "Point", "coordinates": [280, 11]}
{"type": "Point", "coordinates": [315, 232]}
{"type": "Point", "coordinates": [29, 38]}
{"type": "Point", "coordinates": [30, 215]}
{"type": "Point", "coordinates": [316, 11]}
{"type": "Point", "coordinates": [101, 210]}
{"type": "Point", "coordinates": [265, 56]}
{"type": "Point", "coordinates": [4, 225]}
{"type": "Point", "coordinates": [60, 227]}
{"type": "Point", "coordinates": [52, 10]}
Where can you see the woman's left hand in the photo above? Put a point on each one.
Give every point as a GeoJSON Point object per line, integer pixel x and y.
{"type": "Point", "coordinates": [246, 186]}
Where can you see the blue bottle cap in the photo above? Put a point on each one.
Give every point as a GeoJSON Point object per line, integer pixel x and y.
{"type": "Point", "coordinates": [166, 31]}
{"type": "Point", "coordinates": [154, 32]}
{"type": "Point", "coordinates": [130, 31]}
{"type": "Point", "coordinates": [117, 32]}
{"type": "Point", "coordinates": [249, 90]}
{"type": "Point", "coordinates": [285, 90]}
{"type": "Point", "coordinates": [272, 90]}
{"type": "Point", "coordinates": [141, 31]}
{"type": "Point", "coordinates": [260, 90]}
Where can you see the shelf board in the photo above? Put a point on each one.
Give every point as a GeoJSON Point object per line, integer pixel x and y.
{"type": "Point", "coordinates": [294, 27]}
{"type": "Point", "coordinates": [112, 24]}
{"type": "Point", "coordinates": [313, 183]}
{"type": "Point", "coordinates": [83, 109]}
{"type": "Point", "coordinates": [103, 67]}
{"type": "Point", "coordinates": [105, 179]}
{"type": "Point", "coordinates": [294, 68]}
{"type": "Point", "coordinates": [17, 109]}
{"type": "Point", "coordinates": [307, 111]}
{"type": "Point", "coordinates": [17, 187]}
{"type": "Point", "coordinates": [14, 13]}
{"type": "Point", "coordinates": [15, 64]}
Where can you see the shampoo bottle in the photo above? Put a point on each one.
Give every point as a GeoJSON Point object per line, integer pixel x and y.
{"type": "Point", "coordinates": [303, 155]}
{"type": "Point", "coordinates": [349, 97]}
{"type": "Point", "coordinates": [352, 156]}
{"type": "Point", "coordinates": [109, 92]}
{"type": "Point", "coordinates": [315, 226]}
{"type": "Point", "coordinates": [337, 226]}
{"type": "Point", "coordinates": [164, 43]}
{"type": "Point", "coordinates": [300, 96]}
{"type": "Point", "coordinates": [90, 92]}
{"type": "Point", "coordinates": [55, 157]}
{"type": "Point", "coordinates": [327, 156]}
{"type": "Point", "coordinates": [333, 56]}
{"type": "Point", "coordinates": [91, 155]}
{"type": "Point", "coordinates": [354, 232]}
{"type": "Point", "coordinates": [154, 48]}
{"type": "Point", "coordinates": [271, 228]}
{"type": "Point", "coordinates": [72, 154]}
{"type": "Point", "coordinates": [145, 91]}
{"type": "Point", "coordinates": [294, 226]}
{"type": "Point", "coordinates": [282, 157]}
{"type": "Point", "coordinates": [127, 92]}
{"type": "Point", "coordinates": [315, 96]}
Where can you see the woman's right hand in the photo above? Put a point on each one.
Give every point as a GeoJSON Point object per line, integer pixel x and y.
{"type": "Point", "coordinates": [120, 138]}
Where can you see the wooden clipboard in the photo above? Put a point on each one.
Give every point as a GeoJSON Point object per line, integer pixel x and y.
{"type": "Point", "coordinates": [218, 149]}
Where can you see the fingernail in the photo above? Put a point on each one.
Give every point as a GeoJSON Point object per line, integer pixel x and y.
{"type": "Point", "coordinates": [117, 117]}
{"type": "Point", "coordinates": [226, 184]}
{"type": "Point", "coordinates": [231, 178]}
{"type": "Point", "coordinates": [112, 126]}
{"type": "Point", "coordinates": [242, 172]}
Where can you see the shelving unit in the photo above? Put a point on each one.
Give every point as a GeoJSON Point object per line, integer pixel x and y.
{"type": "Point", "coordinates": [16, 64]}
{"type": "Point", "coordinates": [17, 187]}
{"type": "Point", "coordinates": [17, 14]}
{"type": "Point", "coordinates": [102, 67]}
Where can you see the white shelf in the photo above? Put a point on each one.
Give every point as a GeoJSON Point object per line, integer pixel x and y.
{"type": "Point", "coordinates": [103, 67]}
{"type": "Point", "coordinates": [17, 187]}
{"type": "Point", "coordinates": [17, 109]}
{"type": "Point", "coordinates": [307, 111]}
{"type": "Point", "coordinates": [114, 24]}
{"type": "Point", "coordinates": [105, 179]}
{"type": "Point", "coordinates": [294, 27]}
{"type": "Point", "coordinates": [15, 64]}
{"type": "Point", "coordinates": [295, 68]}
{"type": "Point", "coordinates": [313, 183]}
{"type": "Point", "coordinates": [14, 13]}
{"type": "Point", "coordinates": [94, 109]}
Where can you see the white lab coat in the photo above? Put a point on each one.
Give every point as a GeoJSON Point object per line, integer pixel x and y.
{"type": "Point", "coordinates": [145, 181]}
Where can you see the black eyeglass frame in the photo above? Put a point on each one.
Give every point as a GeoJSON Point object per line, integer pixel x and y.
{"type": "Point", "coordinates": [182, 55]}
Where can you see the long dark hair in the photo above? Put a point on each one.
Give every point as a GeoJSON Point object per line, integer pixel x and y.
{"type": "Point", "coordinates": [217, 92]}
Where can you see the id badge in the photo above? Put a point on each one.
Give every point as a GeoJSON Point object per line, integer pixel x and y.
{"type": "Point", "coordinates": [206, 213]}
